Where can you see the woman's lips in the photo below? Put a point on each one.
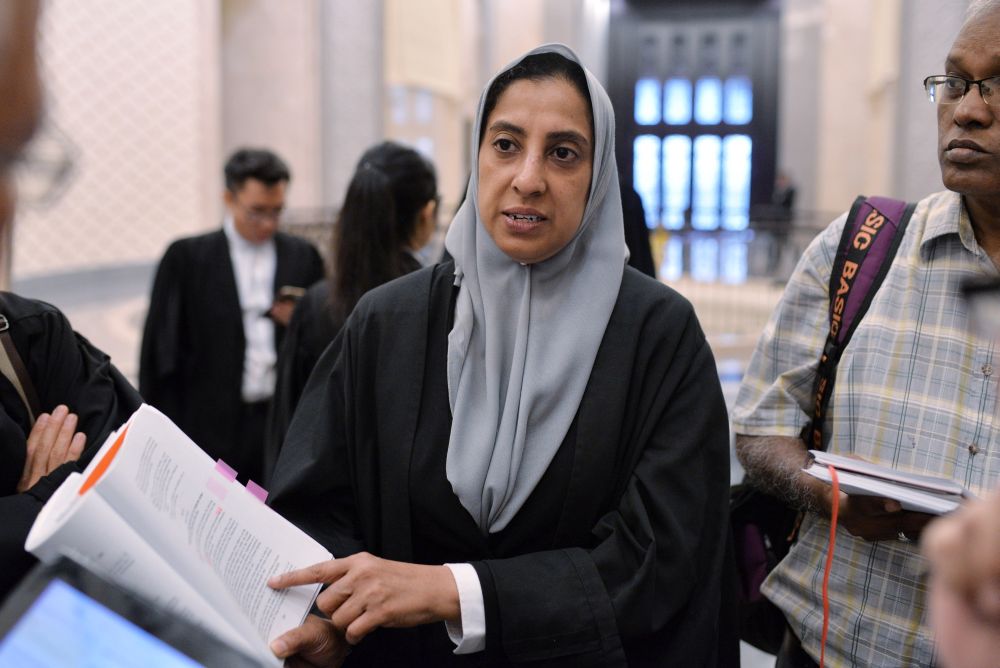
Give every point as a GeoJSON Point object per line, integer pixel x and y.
{"type": "Point", "coordinates": [522, 223]}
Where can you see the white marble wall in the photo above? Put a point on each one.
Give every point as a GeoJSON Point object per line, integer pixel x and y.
{"type": "Point", "coordinates": [131, 86]}
{"type": "Point", "coordinates": [271, 64]}
{"type": "Point", "coordinates": [352, 83]}
{"type": "Point", "coordinates": [853, 117]}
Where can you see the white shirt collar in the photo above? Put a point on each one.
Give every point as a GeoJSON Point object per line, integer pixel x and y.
{"type": "Point", "coordinates": [236, 240]}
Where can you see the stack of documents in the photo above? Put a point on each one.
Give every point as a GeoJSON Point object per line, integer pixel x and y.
{"type": "Point", "coordinates": [919, 493]}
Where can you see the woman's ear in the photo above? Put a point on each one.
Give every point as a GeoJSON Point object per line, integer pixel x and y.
{"type": "Point", "coordinates": [426, 225]}
{"type": "Point", "coordinates": [429, 212]}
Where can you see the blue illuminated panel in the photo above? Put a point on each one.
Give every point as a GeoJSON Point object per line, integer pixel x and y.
{"type": "Point", "coordinates": [736, 152]}
{"type": "Point", "coordinates": [707, 172]}
{"type": "Point", "coordinates": [704, 259]}
{"type": "Point", "coordinates": [739, 100]}
{"type": "Point", "coordinates": [676, 180]}
{"type": "Point", "coordinates": [647, 101]}
{"type": "Point", "coordinates": [677, 101]}
{"type": "Point", "coordinates": [673, 259]}
{"type": "Point", "coordinates": [733, 260]}
{"type": "Point", "coordinates": [646, 176]}
{"type": "Point", "coordinates": [708, 101]}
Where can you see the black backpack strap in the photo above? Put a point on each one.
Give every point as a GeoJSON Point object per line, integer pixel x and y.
{"type": "Point", "coordinates": [871, 237]}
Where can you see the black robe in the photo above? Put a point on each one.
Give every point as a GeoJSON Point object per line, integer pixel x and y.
{"type": "Point", "coordinates": [636, 232]}
{"type": "Point", "coordinates": [191, 363]}
{"type": "Point", "coordinates": [631, 572]}
{"type": "Point", "coordinates": [313, 326]}
{"type": "Point", "coordinates": [64, 368]}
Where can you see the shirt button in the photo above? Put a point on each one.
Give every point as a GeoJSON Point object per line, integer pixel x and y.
{"type": "Point", "coordinates": [973, 449]}
{"type": "Point", "coordinates": [987, 369]}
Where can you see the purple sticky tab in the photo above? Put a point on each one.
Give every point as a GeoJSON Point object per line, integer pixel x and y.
{"type": "Point", "coordinates": [225, 469]}
{"type": "Point", "coordinates": [257, 490]}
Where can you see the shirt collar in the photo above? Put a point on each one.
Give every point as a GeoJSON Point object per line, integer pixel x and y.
{"type": "Point", "coordinates": [236, 240]}
{"type": "Point", "coordinates": [947, 215]}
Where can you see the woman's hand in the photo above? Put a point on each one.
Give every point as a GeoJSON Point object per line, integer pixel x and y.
{"type": "Point", "coordinates": [53, 441]}
{"type": "Point", "coordinates": [366, 593]}
{"type": "Point", "coordinates": [315, 643]}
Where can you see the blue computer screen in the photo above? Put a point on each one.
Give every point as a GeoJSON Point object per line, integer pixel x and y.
{"type": "Point", "coordinates": [64, 627]}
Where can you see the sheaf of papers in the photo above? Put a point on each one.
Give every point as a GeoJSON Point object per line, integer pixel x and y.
{"type": "Point", "coordinates": [919, 493]}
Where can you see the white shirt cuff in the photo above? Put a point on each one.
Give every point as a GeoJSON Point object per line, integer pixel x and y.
{"type": "Point", "coordinates": [469, 634]}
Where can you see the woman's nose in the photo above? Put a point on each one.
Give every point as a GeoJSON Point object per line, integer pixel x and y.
{"type": "Point", "coordinates": [530, 177]}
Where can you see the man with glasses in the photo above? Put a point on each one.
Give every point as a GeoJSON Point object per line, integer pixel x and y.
{"type": "Point", "coordinates": [217, 314]}
{"type": "Point", "coordinates": [916, 389]}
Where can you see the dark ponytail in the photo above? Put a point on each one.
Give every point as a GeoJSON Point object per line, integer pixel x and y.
{"type": "Point", "coordinates": [391, 184]}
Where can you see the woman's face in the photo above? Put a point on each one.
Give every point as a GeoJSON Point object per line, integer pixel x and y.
{"type": "Point", "coordinates": [535, 165]}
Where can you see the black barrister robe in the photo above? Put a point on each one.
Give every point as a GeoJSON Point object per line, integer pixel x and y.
{"type": "Point", "coordinates": [191, 364]}
{"type": "Point", "coordinates": [312, 328]}
{"type": "Point", "coordinates": [64, 369]}
{"type": "Point", "coordinates": [624, 568]}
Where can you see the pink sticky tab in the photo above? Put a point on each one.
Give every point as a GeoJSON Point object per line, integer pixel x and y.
{"type": "Point", "coordinates": [218, 489]}
{"type": "Point", "coordinates": [225, 469]}
{"type": "Point", "coordinates": [257, 490]}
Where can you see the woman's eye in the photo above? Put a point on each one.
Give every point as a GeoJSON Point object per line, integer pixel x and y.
{"type": "Point", "coordinates": [563, 153]}
{"type": "Point", "coordinates": [504, 144]}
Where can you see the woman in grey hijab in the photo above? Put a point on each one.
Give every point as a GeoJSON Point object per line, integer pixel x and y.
{"type": "Point", "coordinates": [527, 442]}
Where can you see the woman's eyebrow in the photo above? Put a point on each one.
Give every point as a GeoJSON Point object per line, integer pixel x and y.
{"type": "Point", "coordinates": [507, 126]}
{"type": "Point", "coordinates": [568, 135]}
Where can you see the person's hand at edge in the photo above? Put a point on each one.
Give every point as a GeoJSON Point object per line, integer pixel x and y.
{"type": "Point", "coordinates": [964, 550]}
{"type": "Point", "coordinates": [964, 588]}
{"type": "Point", "coordinates": [53, 441]}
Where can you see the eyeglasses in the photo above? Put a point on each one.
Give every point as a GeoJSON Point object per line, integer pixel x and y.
{"type": "Point", "coordinates": [43, 171]}
{"type": "Point", "coordinates": [948, 89]}
{"type": "Point", "coordinates": [258, 216]}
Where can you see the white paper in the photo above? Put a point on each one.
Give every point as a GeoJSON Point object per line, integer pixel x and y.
{"type": "Point", "coordinates": [217, 539]}
{"type": "Point", "coordinates": [911, 498]}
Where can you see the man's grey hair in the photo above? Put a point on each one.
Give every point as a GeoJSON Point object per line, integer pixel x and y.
{"type": "Point", "coordinates": [979, 8]}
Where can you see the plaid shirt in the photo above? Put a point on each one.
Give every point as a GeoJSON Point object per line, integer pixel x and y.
{"type": "Point", "coordinates": [915, 389]}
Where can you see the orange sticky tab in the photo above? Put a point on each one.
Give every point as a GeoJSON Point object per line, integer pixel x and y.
{"type": "Point", "coordinates": [102, 466]}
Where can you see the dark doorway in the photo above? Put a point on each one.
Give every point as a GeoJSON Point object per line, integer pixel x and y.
{"type": "Point", "coordinates": [695, 92]}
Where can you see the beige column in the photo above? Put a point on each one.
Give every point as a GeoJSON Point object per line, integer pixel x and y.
{"type": "Point", "coordinates": [271, 86]}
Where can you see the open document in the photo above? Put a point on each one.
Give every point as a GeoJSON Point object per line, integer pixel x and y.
{"type": "Point", "coordinates": [158, 515]}
{"type": "Point", "coordinates": [919, 493]}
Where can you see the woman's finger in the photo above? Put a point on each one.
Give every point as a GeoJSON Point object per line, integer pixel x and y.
{"type": "Point", "coordinates": [362, 626]}
{"type": "Point", "coordinates": [32, 465]}
{"type": "Point", "coordinates": [324, 572]}
{"type": "Point", "coordinates": [347, 610]}
{"type": "Point", "coordinates": [58, 454]}
{"type": "Point", "coordinates": [47, 438]}
{"type": "Point", "coordinates": [76, 446]}
{"type": "Point", "coordinates": [333, 598]}
{"type": "Point", "coordinates": [35, 436]}
{"type": "Point", "coordinates": [53, 425]}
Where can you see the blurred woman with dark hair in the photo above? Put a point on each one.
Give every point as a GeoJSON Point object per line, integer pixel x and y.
{"type": "Point", "coordinates": [389, 213]}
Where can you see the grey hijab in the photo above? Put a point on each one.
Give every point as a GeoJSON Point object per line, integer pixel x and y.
{"type": "Point", "coordinates": [525, 337]}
